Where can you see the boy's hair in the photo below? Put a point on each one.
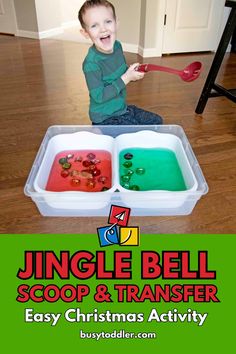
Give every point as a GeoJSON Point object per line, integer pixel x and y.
{"type": "Point", "coordinates": [92, 3]}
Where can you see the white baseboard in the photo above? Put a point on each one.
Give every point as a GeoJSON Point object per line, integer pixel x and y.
{"type": "Point", "coordinates": [148, 52]}
{"type": "Point", "coordinates": [27, 34]}
{"type": "Point", "coordinates": [131, 48]}
{"type": "Point", "coordinates": [144, 52]}
{"type": "Point", "coordinates": [228, 48]}
{"type": "Point", "coordinates": [39, 35]}
{"type": "Point", "coordinates": [50, 33]}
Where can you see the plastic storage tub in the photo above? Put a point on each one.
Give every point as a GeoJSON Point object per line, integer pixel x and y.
{"type": "Point", "coordinates": [114, 139]}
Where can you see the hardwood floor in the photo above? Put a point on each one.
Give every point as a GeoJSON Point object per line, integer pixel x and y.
{"type": "Point", "coordinates": [42, 84]}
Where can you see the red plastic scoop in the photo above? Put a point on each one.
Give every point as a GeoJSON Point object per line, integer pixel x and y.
{"type": "Point", "coordinates": [190, 73]}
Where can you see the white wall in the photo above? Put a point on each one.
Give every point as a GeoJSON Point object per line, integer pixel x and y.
{"type": "Point", "coordinates": [151, 27]}
{"type": "Point", "coordinates": [128, 14]}
{"type": "Point", "coordinates": [69, 11]}
{"type": "Point", "coordinates": [44, 18]}
{"type": "Point", "coordinates": [48, 14]}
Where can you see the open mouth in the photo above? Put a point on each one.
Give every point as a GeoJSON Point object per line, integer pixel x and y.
{"type": "Point", "coordinates": [105, 39]}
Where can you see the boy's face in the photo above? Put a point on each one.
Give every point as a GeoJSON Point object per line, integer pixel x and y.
{"type": "Point", "coordinates": [100, 27]}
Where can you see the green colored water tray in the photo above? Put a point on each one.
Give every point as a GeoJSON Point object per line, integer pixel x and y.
{"type": "Point", "coordinates": [147, 169]}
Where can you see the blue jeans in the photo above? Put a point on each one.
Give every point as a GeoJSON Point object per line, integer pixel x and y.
{"type": "Point", "coordinates": [133, 116]}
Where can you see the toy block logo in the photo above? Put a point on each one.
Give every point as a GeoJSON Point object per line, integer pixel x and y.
{"type": "Point", "coordinates": [129, 236]}
{"type": "Point", "coordinates": [108, 235]}
{"type": "Point", "coordinates": [118, 233]}
{"type": "Point", "coordinates": [119, 215]}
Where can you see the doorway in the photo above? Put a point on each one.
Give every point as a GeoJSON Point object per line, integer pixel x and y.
{"type": "Point", "coordinates": [191, 25]}
{"type": "Point", "coordinates": [7, 17]}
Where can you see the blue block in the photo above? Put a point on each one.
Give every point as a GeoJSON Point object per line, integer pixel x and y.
{"type": "Point", "coordinates": [108, 236]}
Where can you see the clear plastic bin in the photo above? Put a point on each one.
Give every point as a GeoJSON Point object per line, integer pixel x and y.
{"type": "Point", "coordinates": [114, 139]}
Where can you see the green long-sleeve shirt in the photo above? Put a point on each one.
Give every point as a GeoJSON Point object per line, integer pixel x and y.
{"type": "Point", "coordinates": [107, 90]}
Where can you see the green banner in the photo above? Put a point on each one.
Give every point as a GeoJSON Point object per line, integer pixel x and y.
{"type": "Point", "coordinates": [66, 293]}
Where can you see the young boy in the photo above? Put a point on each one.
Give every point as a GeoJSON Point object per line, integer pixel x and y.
{"type": "Point", "coordinates": [106, 71]}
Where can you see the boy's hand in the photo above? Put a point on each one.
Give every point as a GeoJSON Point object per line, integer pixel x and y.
{"type": "Point", "coordinates": [132, 74]}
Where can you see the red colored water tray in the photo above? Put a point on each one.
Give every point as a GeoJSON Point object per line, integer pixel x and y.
{"type": "Point", "coordinates": [80, 170]}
